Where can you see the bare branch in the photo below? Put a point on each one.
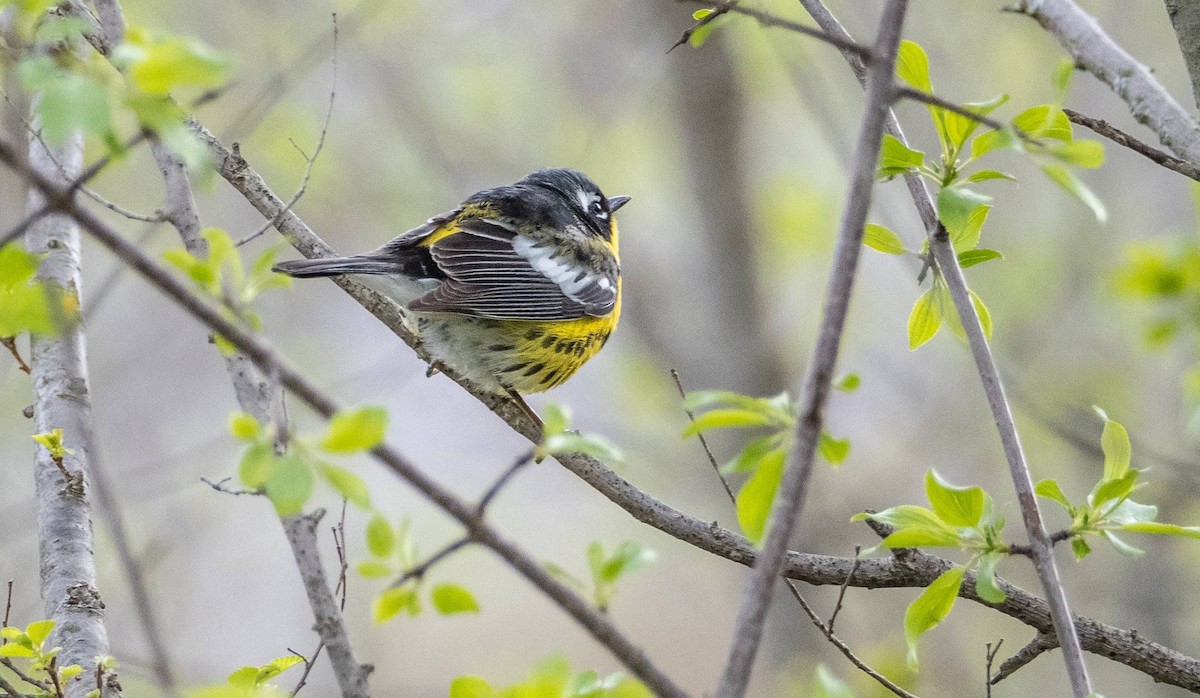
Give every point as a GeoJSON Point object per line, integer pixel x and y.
{"type": "Point", "coordinates": [309, 662]}
{"type": "Point", "coordinates": [1039, 644]}
{"type": "Point", "coordinates": [1119, 137]}
{"type": "Point", "coordinates": [990, 655]}
{"type": "Point", "coordinates": [767, 19]}
{"type": "Point", "coordinates": [1094, 51]}
{"type": "Point", "coordinates": [703, 442]}
{"type": "Point", "coordinates": [10, 343]}
{"type": "Point", "coordinates": [1185, 19]}
{"type": "Point", "coordinates": [837, 607]}
{"type": "Point", "coordinates": [785, 512]}
{"type": "Point", "coordinates": [906, 92]}
{"type": "Point", "coordinates": [520, 462]}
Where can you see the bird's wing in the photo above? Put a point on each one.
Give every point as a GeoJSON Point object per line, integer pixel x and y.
{"type": "Point", "coordinates": [494, 272]}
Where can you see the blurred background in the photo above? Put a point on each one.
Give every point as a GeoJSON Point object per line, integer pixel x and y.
{"type": "Point", "coordinates": [736, 157]}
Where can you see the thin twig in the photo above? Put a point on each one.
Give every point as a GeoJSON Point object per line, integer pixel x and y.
{"type": "Point", "coordinates": [223, 488]}
{"type": "Point", "coordinates": [1026, 550]}
{"type": "Point", "coordinates": [1116, 135]}
{"type": "Point", "coordinates": [308, 169]}
{"type": "Point", "coordinates": [767, 19]}
{"type": "Point", "coordinates": [10, 343]}
{"type": "Point", "coordinates": [906, 92]}
{"type": "Point", "coordinates": [519, 463]}
{"type": "Point", "coordinates": [785, 512]}
{"type": "Point", "coordinates": [7, 610]}
{"type": "Point", "coordinates": [422, 569]}
{"type": "Point", "coordinates": [308, 665]}
{"type": "Point", "coordinates": [990, 654]}
{"type": "Point", "coordinates": [339, 543]}
{"type": "Point", "coordinates": [837, 608]}
{"type": "Point", "coordinates": [703, 442]}
{"type": "Point", "coordinates": [1041, 643]}
{"type": "Point", "coordinates": [827, 631]}
{"type": "Point", "coordinates": [9, 689]}
{"type": "Point", "coordinates": [12, 666]}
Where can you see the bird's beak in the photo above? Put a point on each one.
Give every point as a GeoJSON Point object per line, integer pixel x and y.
{"type": "Point", "coordinates": [617, 202]}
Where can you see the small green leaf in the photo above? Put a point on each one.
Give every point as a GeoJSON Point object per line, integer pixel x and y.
{"type": "Point", "coordinates": [955, 206]}
{"type": "Point", "coordinates": [990, 141]}
{"type": "Point", "coordinates": [969, 258]}
{"type": "Point", "coordinates": [1080, 547]}
{"type": "Point", "coordinates": [449, 599]}
{"type": "Point", "coordinates": [347, 484]}
{"type": "Point", "coordinates": [924, 321]}
{"type": "Point", "coordinates": [258, 462]}
{"type": "Point", "coordinates": [556, 419]}
{"type": "Point", "coordinates": [381, 539]}
{"type": "Point", "coordinates": [834, 451]}
{"type": "Point", "coordinates": [393, 601]}
{"type": "Point", "coordinates": [912, 66]}
{"type": "Point", "coordinates": [701, 33]}
{"type": "Point", "coordinates": [158, 63]}
{"type": "Point", "coordinates": [930, 608]}
{"type": "Point", "coordinates": [373, 569]}
{"type": "Point", "coordinates": [985, 315]}
{"type": "Point", "coordinates": [1045, 121]}
{"type": "Point", "coordinates": [847, 382]}
{"type": "Point", "coordinates": [985, 579]}
{"type": "Point", "coordinates": [701, 14]}
{"type": "Point", "coordinates": [1069, 182]}
{"type": "Point", "coordinates": [896, 158]}
{"type": "Point", "coordinates": [1080, 152]}
{"type": "Point", "coordinates": [985, 175]}
{"type": "Point", "coordinates": [244, 427]}
{"type": "Point", "coordinates": [1129, 511]}
{"type": "Point", "coordinates": [921, 537]}
{"type": "Point", "coordinates": [1050, 490]}
{"type": "Point", "coordinates": [882, 240]}
{"type": "Point", "coordinates": [1163, 529]}
{"type": "Point", "coordinates": [629, 556]}
{"type": "Point", "coordinates": [357, 430]}
{"type": "Point", "coordinates": [751, 455]}
{"type": "Point", "coordinates": [826, 685]}
{"type": "Point", "coordinates": [959, 128]}
{"type": "Point", "coordinates": [15, 650]}
{"type": "Point", "coordinates": [957, 506]}
{"type": "Point", "coordinates": [1110, 490]}
{"type": "Point", "coordinates": [290, 484]}
{"type": "Point", "coordinates": [471, 687]}
{"type": "Point", "coordinates": [756, 497]}
{"type": "Point", "coordinates": [1061, 77]}
{"type": "Point", "coordinates": [726, 419]}
{"type": "Point", "coordinates": [593, 445]}
{"type": "Point", "coordinates": [904, 516]}
{"type": "Point", "coordinates": [38, 631]}
{"type": "Point", "coordinates": [1118, 452]}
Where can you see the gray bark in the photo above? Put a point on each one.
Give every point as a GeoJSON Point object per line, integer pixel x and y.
{"type": "Point", "coordinates": [1185, 18]}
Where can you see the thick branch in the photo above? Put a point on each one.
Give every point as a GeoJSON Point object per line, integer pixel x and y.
{"type": "Point", "coordinates": [1185, 18]}
{"type": "Point", "coordinates": [756, 599]}
{"type": "Point", "coordinates": [1094, 51]}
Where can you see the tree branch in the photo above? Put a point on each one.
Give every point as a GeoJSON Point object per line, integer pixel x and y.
{"type": "Point", "coordinates": [1185, 19]}
{"type": "Point", "coordinates": [1094, 51]}
{"type": "Point", "coordinates": [1116, 135]}
{"type": "Point", "coordinates": [766, 19]}
{"type": "Point", "coordinates": [1039, 644]}
{"type": "Point", "coordinates": [756, 600]}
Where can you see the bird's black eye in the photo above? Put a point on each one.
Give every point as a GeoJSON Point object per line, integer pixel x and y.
{"type": "Point", "coordinates": [597, 209]}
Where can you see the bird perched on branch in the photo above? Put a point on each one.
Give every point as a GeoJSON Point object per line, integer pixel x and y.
{"type": "Point", "coordinates": [515, 289]}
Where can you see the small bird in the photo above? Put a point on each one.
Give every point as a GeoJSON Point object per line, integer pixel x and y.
{"type": "Point", "coordinates": [515, 289]}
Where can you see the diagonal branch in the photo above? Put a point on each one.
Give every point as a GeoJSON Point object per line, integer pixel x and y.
{"type": "Point", "coordinates": [766, 19]}
{"type": "Point", "coordinates": [598, 625]}
{"type": "Point", "coordinates": [1094, 51]}
{"type": "Point", "coordinates": [1116, 135]}
{"type": "Point", "coordinates": [756, 599]}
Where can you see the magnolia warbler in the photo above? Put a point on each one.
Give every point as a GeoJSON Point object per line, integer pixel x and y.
{"type": "Point", "coordinates": [515, 289]}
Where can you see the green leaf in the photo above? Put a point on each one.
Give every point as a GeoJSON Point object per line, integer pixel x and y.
{"type": "Point", "coordinates": [986, 175]}
{"type": "Point", "coordinates": [258, 462]}
{"type": "Point", "coordinates": [904, 516]}
{"type": "Point", "coordinates": [449, 599]}
{"type": "Point", "coordinates": [593, 445]}
{"type": "Point", "coordinates": [23, 302]}
{"type": "Point", "coordinates": [985, 579]}
{"type": "Point", "coordinates": [1129, 511]}
{"type": "Point", "coordinates": [1050, 490]}
{"type": "Point", "coordinates": [1121, 546]}
{"type": "Point", "coordinates": [373, 569]}
{"type": "Point", "coordinates": [930, 608]}
{"type": "Point", "coordinates": [957, 506]}
{"type": "Point", "coordinates": [955, 206]}
{"type": "Point", "coordinates": [990, 141]}
{"type": "Point", "coordinates": [1080, 152]}
{"type": "Point", "coordinates": [1118, 452]}
{"type": "Point", "coordinates": [700, 33]}
{"type": "Point", "coordinates": [834, 451]}
{"type": "Point", "coordinates": [1163, 529]}
{"type": "Point", "coordinates": [1118, 489]}
{"type": "Point", "coordinates": [629, 556]}
{"type": "Point", "coordinates": [347, 484]}
{"type": "Point", "coordinates": [701, 14]}
{"type": "Point", "coordinates": [924, 321]}
{"type": "Point", "coordinates": [393, 601]}
{"type": "Point", "coordinates": [756, 497]}
{"type": "Point", "coordinates": [471, 687]}
{"type": "Point", "coordinates": [912, 66]}
{"type": "Point", "coordinates": [357, 430]}
{"type": "Point", "coordinates": [158, 63]}
{"type": "Point", "coordinates": [751, 455]}
{"type": "Point", "coordinates": [1080, 547]}
{"type": "Point", "coordinates": [381, 539]}
{"type": "Point", "coordinates": [1061, 77]}
{"type": "Point", "coordinates": [244, 427]}
{"type": "Point", "coordinates": [967, 237]}
{"type": "Point", "coordinates": [969, 258]}
{"type": "Point", "coordinates": [896, 158]}
{"type": "Point", "coordinates": [959, 128]}
{"type": "Point", "coordinates": [1070, 183]}
{"type": "Point", "coordinates": [38, 631]}
{"type": "Point", "coordinates": [985, 315]}
{"type": "Point", "coordinates": [71, 103]}
{"type": "Point", "coordinates": [826, 685]}
{"type": "Point", "coordinates": [290, 484]}
{"type": "Point", "coordinates": [882, 240]}
{"type": "Point", "coordinates": [15, 650]}
{"type": "Point", "coordinates": [847, 382]}
{"type": "Point", "coordinates": [1045, 122]}
{"type": "Point", "coordinates": [726, 419]}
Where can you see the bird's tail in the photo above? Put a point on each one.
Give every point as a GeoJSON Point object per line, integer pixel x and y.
{"type": "Point", "coordinates": [336, 266]}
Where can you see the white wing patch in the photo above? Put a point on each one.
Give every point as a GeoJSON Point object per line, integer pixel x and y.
{"type": "Point", "coordinates": [570, 278]}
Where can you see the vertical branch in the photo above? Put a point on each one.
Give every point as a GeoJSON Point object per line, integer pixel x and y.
{"type": "Point", "coordinates": [62, 400]}
{"type": "Point", "coordinates": [756, 599]}
{"type": "Point", "coordinates": [1185, 18]}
